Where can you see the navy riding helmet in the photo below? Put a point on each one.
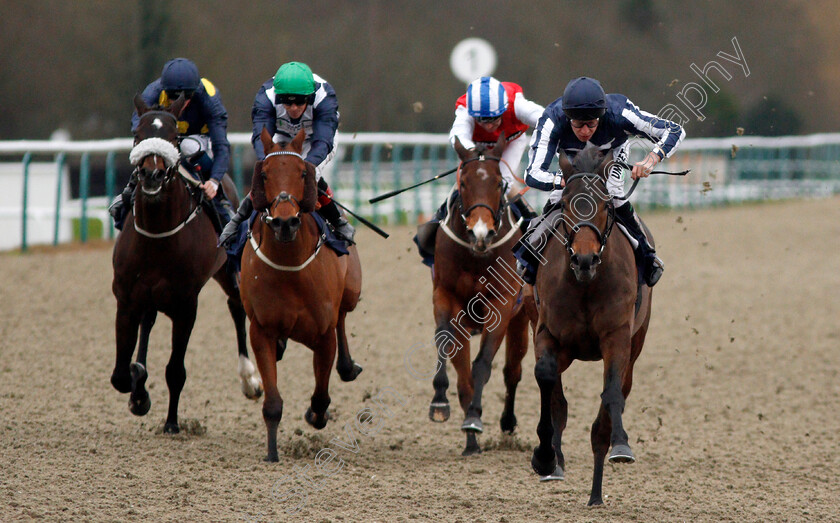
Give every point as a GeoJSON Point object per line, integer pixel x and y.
{"type": "Point", "coordinates": [584, 99]}
{"type": "Point", "coordinates": [180, 74]}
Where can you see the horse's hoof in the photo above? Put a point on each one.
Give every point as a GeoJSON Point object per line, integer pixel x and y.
{"type": "Point", "coordinates": [439, 412]}
{"type": "Point", "coordinates": [558, 475]}
{"type": "Point", "coordinates": [471, 450]}
{"type": "Point", "coordinates": [252, 388]}
{"type": "Point", "coordinates": [272, 457]}
{"type": "Point", "coordinates": [352, 374]}
{"type": "Point", "coordinates": [315, 421]}
{"type": "Point", "coordinates": [595, 502]}
{"type": "Point", "coordinates": [543, 467]}
{"type": "Point", "coordinates": [508, 423]}
{"type": "Point", "coordinates": [171, 428]}
{"type": "Point", "coordinates": [139, 406]}
{"type": "Point", "coordinates": [472, 425]}
{"type": "Point", "coordinates": [121, 382]}
{"type": "Point", "coordinates": [621, 454]}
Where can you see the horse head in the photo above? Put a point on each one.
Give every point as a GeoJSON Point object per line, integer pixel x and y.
{"type": "Point", "coordinates": [288, 184]}
{"type": "Point", "coordinates": [588, 214]}
{"type": "Point", "coordinates": [481, 186]}
{"type": "Point", "coordinates": [155, 153]}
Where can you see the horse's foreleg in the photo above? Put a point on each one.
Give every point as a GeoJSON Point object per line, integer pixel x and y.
{"type": "Point", "coordinates": [176, 373]}
{"type": "Point", "coordinates": [447, 343]}
{"type": "Point", "coordinates": [347, 369]}
{"type": "Point", "coordinates": [608, 429]}
{"type": "Point", "coordinates": [248, 378]}
{"type": "Point", "coordinates": [265, 352]}
{"type": "Point", "coordinates": [516, 346]}
{"type": "Point", "coordinates": [544, 461]}
{"type": "Point", "coordinates": [491, 340]}
{"type": "Point", "coordinates": [323, 357]}
{"type": "Point", "coordinates": [127, 323]}
{"type": "Point", "coordinates": [139, 402]}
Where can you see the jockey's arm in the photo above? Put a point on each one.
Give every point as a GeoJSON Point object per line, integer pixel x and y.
{"type": "Point", "coordinates": [666, 135]}
{"type": "Point", "coordinates": [324, 126]}
{"type": "Point", "coordinates": [544, 145]}
{"type": "Point", "coordinates": [263, 114]}
{"type": "Point", "coordinates": [527, 111]}
{"type": "Point", "coordinates": [462, 128]}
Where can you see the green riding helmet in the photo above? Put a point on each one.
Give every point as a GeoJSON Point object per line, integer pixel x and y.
{"type": "Point", "coordinates": [294, 83]}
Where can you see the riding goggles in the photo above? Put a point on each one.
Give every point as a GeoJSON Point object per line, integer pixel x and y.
{"type": "Point", "coordinates": [175, 94]}
{"type": "Point", "coordinates": [487, 119]}
{"type": "Point", "coordinates": [292, 99]}
{"type": "Point", "coordinates": [577, 124]}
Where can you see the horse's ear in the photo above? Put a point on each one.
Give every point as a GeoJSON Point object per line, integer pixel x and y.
{"type": "Point", "coordinates": [501, 143]}
{"type": "Point", "coordinates": [178, 106]}
{"type": "Point", "coordinates": [140, 104]}
{"type": "Point", "coordinates": [297, 143]}
{"type": "Point", "coordinates": [258, 187]}
{"type": "Point", "coordinates": [463, 152]}
{"type": "Point", "coordinates": [565, 164]}
{"type": "Point", "coordinates": [310, 189]}
{"type": "Point", "coordinates": [267, 142]}
{"type": "Point", "coordinates": [605, 164]}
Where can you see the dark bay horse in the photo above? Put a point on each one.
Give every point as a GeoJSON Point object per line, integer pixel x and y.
{"type": "Point", "coordinates": [163, 257]}
{"type": "Point", "coordinates": [587, 293]}
{"type": "Point", "coordinates": [476, 289]}
{"type": "Point", "coordinates": [295, 288]}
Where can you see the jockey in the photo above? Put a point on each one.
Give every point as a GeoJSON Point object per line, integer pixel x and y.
{"type": "Point", "coordinates": [296, 98]}
{"type": "Point", "coordinates": [585, 116]}
{"type": "Point", "coordinates": [487, 109]}
{"type": "Point", "coordinates": [202, 126]}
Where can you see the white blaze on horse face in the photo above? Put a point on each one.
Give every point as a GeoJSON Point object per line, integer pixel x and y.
{"type": "Point", "coordinates": [480, 230]}
{"type": "Point", "coordinates": [483, 173]}
{"type": "Point", "coordinates": [156, 123]}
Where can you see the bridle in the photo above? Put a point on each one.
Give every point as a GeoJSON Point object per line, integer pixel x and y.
{"type": "Point", "coordinates": [266, 218]}
{"type": "Point", "coordinates": [602, 236]}
{"type": "Point", "coordinates": [497, 213]}
{"type": "Point", "coordinates": [160, 147]}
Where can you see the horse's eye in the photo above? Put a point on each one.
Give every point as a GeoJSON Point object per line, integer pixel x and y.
{"type": "Point", "coordinates": [303, 174]}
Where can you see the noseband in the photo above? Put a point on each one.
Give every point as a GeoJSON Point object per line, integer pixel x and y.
{"type": "Point", "coordinates": [602, 236]}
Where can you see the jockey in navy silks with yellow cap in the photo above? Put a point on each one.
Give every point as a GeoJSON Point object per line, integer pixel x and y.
{"type": "Point", "coordinates": [202, 127]}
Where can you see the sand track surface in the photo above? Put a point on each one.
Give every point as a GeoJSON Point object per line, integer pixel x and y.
{"type": "Point", "coordinates": [733, 414]}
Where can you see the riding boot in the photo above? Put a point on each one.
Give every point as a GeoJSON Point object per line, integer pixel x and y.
{"type": "Point", "coordinates": [525, 210]}
{"type": "Point", "coordinates": [230, 231]}
{"type": "Point", "coordinates": [339, 223]}
{"type": "Point", "coordinates": [122, 203]}
{"type": "Point", "coordinates": [652, 266]}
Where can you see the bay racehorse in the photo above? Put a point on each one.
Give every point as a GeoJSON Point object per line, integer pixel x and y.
{"type": "Point", "coordinates": [476, 289]}
{"type": "Point", "coordinates": [293, 287]}
{"type": "Point", "coordinates": [164, 255]}
{"type": "Point", "coordinates": [591, 307]}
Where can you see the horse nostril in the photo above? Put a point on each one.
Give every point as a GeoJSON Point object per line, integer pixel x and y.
{"type": "Point", "coordinates": [294, 222]}
{"type": "Point", "coordinates": [575, 259]}
{"type": "Point", "coordinates": [596, 259]}
{"type": "Point", "coordinates": [470, 235]}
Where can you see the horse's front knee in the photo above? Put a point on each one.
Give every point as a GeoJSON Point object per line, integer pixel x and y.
{"type": "Point", "coordinates": [546, 370]}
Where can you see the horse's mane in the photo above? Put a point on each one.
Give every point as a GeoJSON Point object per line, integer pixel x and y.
{"type": "Point", "coordinates": [588, 161]}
